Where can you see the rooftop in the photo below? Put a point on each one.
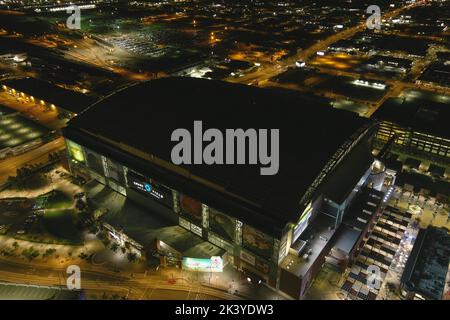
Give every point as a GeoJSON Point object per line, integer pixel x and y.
{"type": "Point", "coordinates": [316, 236]}
{"type": "Point", "coordinates": [345, 238]}
{"type": "Point", "coordinates": [5, 111]}
{"type": "Point", "coordinates": [390, 61]}
{"type": "Point", "coordinates": [139, 121]}
{"type": "Point", "coordinates": [426, 269]}
{"type": "Point", "coordinates": [363, 208]}
{"type": "Point", "coordinates": [356, 219]}
{"type": "Point", "coordinates": [438, 72]}
{"type": "Point", "coordinates": [418, 110]}
{"type": "Point", "coordinates": [16, 130]}
{"type": "Point", "coordinates": [69, 100]}
{"type": "Point", "coordinates": [13, 291]}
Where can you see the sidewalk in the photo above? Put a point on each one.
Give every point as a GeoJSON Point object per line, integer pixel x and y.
{"type": "Point", "coordinates": [230, 280]}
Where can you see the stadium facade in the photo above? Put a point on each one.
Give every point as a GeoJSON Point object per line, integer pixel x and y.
{"type": "Point", "coordinates": [124, 142]}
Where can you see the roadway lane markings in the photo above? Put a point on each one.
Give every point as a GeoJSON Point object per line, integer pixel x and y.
{"type": "Point", "coordinates": [151, 293]}
{"type": "Point", "coordinates": [189, 293]}
{"type": "Point", "coordinates": [198, 291]}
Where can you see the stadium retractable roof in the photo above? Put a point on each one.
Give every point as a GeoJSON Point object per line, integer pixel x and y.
{"type": "Point", "coordinates": [137, 123]}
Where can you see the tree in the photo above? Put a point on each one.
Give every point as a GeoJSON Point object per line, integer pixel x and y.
{"type": "Point", "coordinates": [49, 252]}
{"type": "Point", "coordinates": [391, 287]}
{"type": "Point", "coordinates": [104, 238]}
{"type": "Point", "coordinates": [93, 228]}
{"type": "Point", "coordinates": [11, 179]}
{"type": "Point", "coordinates": [132, 256]}
{"type": "Point", "coordinates": [80, 205]}
{"type": "Point", "coordinates": [83, 256]}
{"type": "Point", "coordinates": [114, 247]}
{"type": "Point", "coordinates": [30, 253]}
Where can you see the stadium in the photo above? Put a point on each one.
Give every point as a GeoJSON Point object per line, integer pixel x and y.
{"type": "Point", "coordinates": [124, 141]}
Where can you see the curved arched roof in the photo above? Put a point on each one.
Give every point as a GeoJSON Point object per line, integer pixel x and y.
{"type": "Point", "coordinates": [140, 120]}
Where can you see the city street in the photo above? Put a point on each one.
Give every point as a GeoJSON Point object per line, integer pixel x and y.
{"type": "Point", "coordinates": [92, 104]}
{"type": "Point", "coordinates": [106, 266]}
{"type": "Point", "coordinates": [266, 72]}
{"type": "Point", "coordinates": [97, 282]}
{"type": "Point", "coordinates": [9, 166]}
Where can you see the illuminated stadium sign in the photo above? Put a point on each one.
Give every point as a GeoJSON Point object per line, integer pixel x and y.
{"type": "Point", "coordinates": [147, 187]}
{"type": "Point", "coordinates": [303, 221]}
{"type": "Point", "coordinates": [75, 151]}
{"type": "Point", "coordinates": [214, 264]}
{"type": "Point", "coordinates": [151, 188]}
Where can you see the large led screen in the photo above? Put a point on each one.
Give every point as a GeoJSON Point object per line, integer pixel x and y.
{"type": "Point", "coordinates": [150, 188]}
{"type": "Point", "coordinates": [75, 151]}
{"type": "Point", "coordinates": [191, 208]}
{"type": "Point", "coordinates": [257, 241]}
{"type": "Point", "coordinates": [115, 171]}
{"type": "Point", "coordinates": [214, 264]}
{"type": "Point", "coordinates": [94, 161]}
{"type": "Point", "coordinates": [221, 224]}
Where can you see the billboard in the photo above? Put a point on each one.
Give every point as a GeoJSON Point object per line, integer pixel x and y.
{"type": "Point", "coordinates": [303, 222]}
{"type": "Point", "coordinates": [75, 151]}
{"type": "Point", "coordinates": [115, 171]}
{"type": "Point", "coordinates": [94, 161]}
{"type": "Point", "coordinates": [247, 257]}
{"type": "Point", "coordinates": [262, 266]}
{"type": "Point", "coordinates": [222, 224]}
{"type": "Point", "coordinates": [214, 264]}
{"type": "Point", "coordinates": [256, 241]}
{"type": "Point", "coordinates": [191, 209]}
{"type": "Point", "coordinates": [150, 188]}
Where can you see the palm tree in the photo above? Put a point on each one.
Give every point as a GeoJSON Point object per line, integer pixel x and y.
{"type": "Point", "coordinates": [114, 247]}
